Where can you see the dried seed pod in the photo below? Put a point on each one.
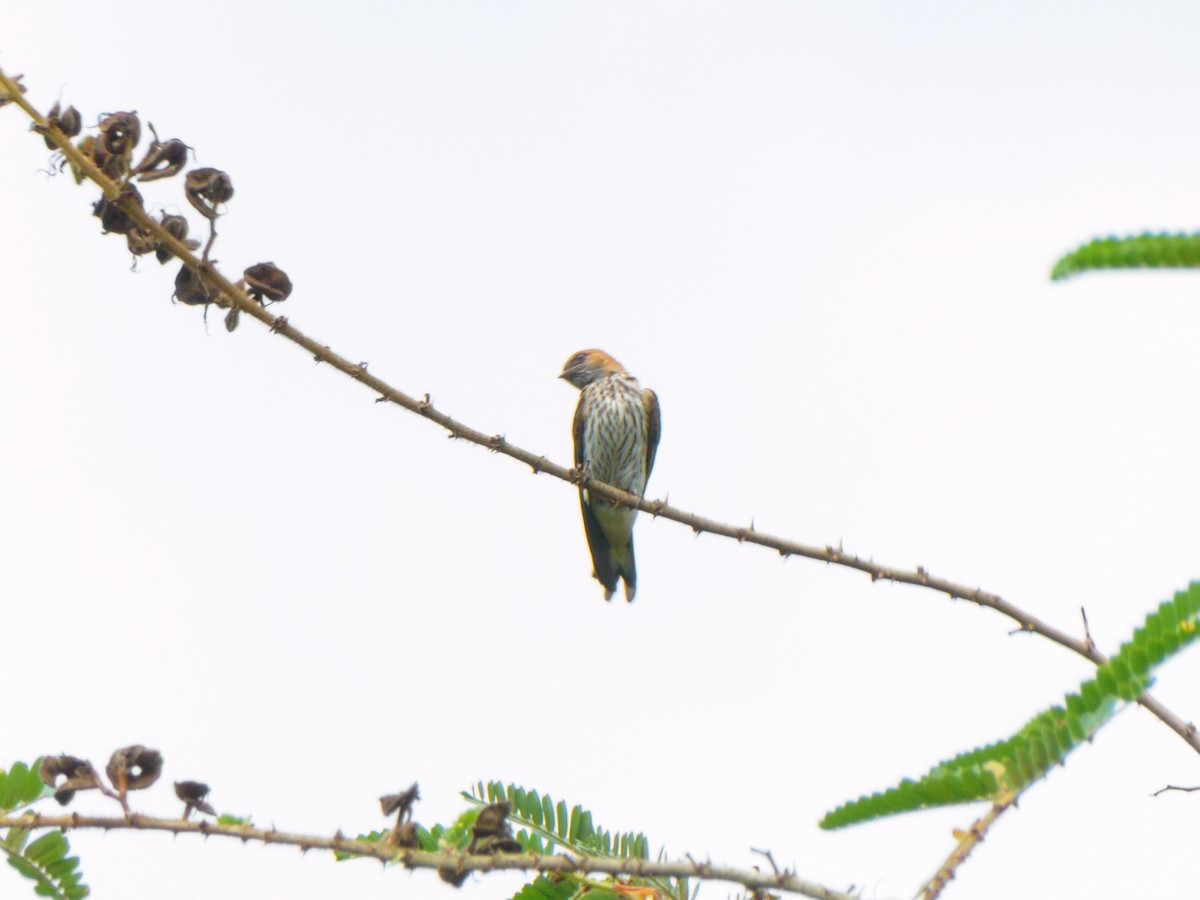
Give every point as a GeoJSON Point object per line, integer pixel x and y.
{"type": "Point", "coordinates": [206, 188]}
{"type": "Point", "coordinates": [140, 242]}
{"type": "Point", "coordinates": [69, 123]}
{"type": "Point", "coordinates": [453, 876]}
{"type": "Point", "coordinates": [492, 820]}
{"type": "Point", "coordinates": [78, 775]}
{"type": "Point", "coordinates": [492, 833]}
{"type": "Point", "coordinates": [133, 768]}
{"type": "Point", "coordinates": [404, 836]}
{"type": "Point", "coordinates": [232, 318]}
{"type": "Point", "coordinates": [114, 165]}
{"type": "Point", "coordinates": [402, 801]}
{"type": "Point", "coordinates": [192, 793]}
{"type": "Point", "coordinates": [4, 97]}
{"type": "Point", "coordinates": [191, 289]}
{"type": "Point", "coordinates": [178, 228]}
{"type": "Point", "coordinates": [162, 160]}
{"type": "Point", "coordinates": [113, 218]}
{"type": "Point", "coordinates": [120, 132]}
{"type": "Point", "coordinates": [267, 283]}
{"type": "Point", "coordinates": [499, 845]}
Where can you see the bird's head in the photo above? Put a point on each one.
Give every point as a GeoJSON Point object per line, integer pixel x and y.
{"type": "Point", "coordinates": [587, 366]}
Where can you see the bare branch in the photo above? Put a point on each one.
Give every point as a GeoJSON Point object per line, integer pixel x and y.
{"type": "Point", "coordinates": [234, 296]}
{"type": "Point", "coordinates": [967, 841]}
{"type": "Point", "coordinates": [459, 862]}
{"type": "Point", "coordinates": [1175, 787]}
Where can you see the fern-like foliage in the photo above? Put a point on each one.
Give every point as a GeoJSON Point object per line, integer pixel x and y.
{"type": "Point", "coordinates": [988, 773]}
{"type": "Point", "coordinates": [20, 786]}
{"type": "Point", "coordinates": [544, 825]}
{"type": "Point", "coordinates": [45, 860]}
{"type": "Point", "coordinates": [544, 889]}
{"type": "Point", "coordinates": [1162, 251]}
{"type": "Point", "coordinates": [45, 863]}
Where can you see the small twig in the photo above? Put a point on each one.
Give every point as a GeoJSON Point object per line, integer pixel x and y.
{"type": "Point", "coordinates": [1174, 787]}
{"type": "Point", "coordinates": [422, 859]}
{"type": "Point", "coordinates": [967, 841]}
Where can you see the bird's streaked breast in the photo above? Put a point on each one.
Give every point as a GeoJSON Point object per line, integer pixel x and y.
{"type": "Point", "coordinates": [615, 430]}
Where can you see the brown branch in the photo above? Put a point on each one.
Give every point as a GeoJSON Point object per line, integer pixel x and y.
{"type": "Point", "coordinates": [235, 296]}
{"type": "Point", "coordinates": [1175, 787]}
{"type": "Point", "coordinates": [967, 841]}
{"type": "Point", "coordinates": [454, 862]}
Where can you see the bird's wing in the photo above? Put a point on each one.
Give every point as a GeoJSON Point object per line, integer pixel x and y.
{"type": "Point", "coordinates": [577, 429]}
{"type": "Point", "coordinates": [653, 427]}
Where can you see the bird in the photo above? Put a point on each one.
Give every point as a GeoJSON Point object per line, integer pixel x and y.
{"type": "Point", "coordinates": [616, 430]}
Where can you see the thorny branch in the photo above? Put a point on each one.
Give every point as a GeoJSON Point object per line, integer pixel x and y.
{"type": "Point", "coordinates": [967, 841]}
{"type": "Point", "coordinates": [456, 862]}
{"type": "Point", "coordinates": [238, 298]}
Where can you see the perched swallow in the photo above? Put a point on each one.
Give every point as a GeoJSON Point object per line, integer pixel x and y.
{"type": "Point", "coordinates": [617, 425]}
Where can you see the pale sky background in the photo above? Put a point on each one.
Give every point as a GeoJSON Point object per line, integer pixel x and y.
{"type": "Point", "coordinates": [821, 232]}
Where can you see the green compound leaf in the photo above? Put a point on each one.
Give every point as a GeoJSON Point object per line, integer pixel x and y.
{"type": "Point", "coordinates": [1161, 251]}
{"type": "Point", "coordinates": [544, 826]}
{"type": "Point", "coordinates": [45, 862]}
{"type": "Point", "coordinates": [551, 824]}
{"type": "Point", "coordinates": [20, 786]}
{"type": "Point", "coordinates": [989, 772]}
{"type": "Point", "coordinates": [545, 889]}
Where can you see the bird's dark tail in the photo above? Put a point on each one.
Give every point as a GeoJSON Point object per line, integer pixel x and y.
{"type": "Point", "coordinates": [625, 567]}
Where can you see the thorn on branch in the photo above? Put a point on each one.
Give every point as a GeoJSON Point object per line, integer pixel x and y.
{"type": "Point", "coordinates": [1087, 631]}
{"type": "Point", "coordinates": [280, 323]}
{"type": "Point", "coordinates": [770, 859]}
{"type": "Point", "coordinates": [317, 357]}
{"type": "Point", "coordinates": [496, 443]}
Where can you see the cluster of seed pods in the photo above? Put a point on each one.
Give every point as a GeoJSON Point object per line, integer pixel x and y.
{"type": "Point", "coordinates": [208, 190]}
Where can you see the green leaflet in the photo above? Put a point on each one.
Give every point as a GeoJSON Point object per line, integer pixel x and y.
{"type": "Point", "coordinates": [45, 860]}
{"type": "Point", "coordinates": [545, 826]}
{"type": "Point", "coordinates": [46, 863]}
{"type": "Point", "coordinates": [1011, 765]}
{"type": "Point", "coordinates": [574, 830]}
{"type": "Point", "coordinates": [20, 786]}
{"type": "Point", "coordinates": [1172, 251]}
{"type": "Point", "coordinates": [545, 889]}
